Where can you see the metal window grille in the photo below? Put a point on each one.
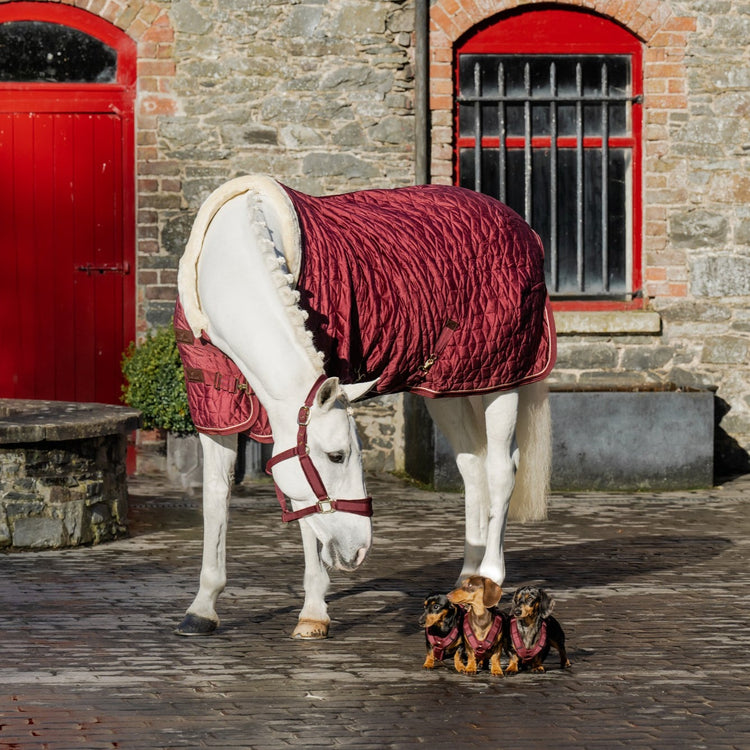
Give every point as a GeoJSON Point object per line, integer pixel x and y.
{"type": "Point", "coordinates": [552, 136]}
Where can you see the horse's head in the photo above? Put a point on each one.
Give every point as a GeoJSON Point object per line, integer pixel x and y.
{"type": "Point", "coordinates": [324, 478]}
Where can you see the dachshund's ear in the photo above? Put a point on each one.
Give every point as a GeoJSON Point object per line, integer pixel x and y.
{"type": "Point", "coordinates": [546, 604]}
{"type": "Point", "coordinates": [492, 593]}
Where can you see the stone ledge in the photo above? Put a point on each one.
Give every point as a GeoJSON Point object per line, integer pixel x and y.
{"type": "Point", "coordinates": [30, 421]}
{"type": "Point", "coordinates": [607, 322]}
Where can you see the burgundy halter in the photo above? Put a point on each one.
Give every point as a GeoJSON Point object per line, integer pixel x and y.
{"type": "Point", "coordinates": [482, 647]}
{"type": "Point", "coordinates": [325, 504]}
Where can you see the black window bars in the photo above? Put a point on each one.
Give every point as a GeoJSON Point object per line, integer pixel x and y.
{"type": "Point", "coordinates": [552, 136]}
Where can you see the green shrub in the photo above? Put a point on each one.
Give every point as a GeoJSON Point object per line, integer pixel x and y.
{"type": "Point", "coordinates": [156, 383]}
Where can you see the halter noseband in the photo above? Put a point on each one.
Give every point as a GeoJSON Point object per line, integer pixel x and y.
{"type": "Point", "coordinates": [325, 504]}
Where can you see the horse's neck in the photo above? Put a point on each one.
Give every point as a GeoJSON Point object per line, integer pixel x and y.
{"type": "Point", "coordinates": [252, 310]}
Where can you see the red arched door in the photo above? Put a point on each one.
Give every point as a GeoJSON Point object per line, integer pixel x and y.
{"type": "Point", "coordinates": [67, 293]}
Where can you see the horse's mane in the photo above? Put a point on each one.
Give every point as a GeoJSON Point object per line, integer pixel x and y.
{"type": "Point", "coordinates": [277, 267]}
{"type": "Point", "coordinates": [256, 188]}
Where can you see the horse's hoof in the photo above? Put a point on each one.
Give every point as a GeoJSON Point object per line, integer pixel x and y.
{"type": "Point", "coordinates": [195, 625]}
{"type": "Point", "coordinates": [311, 630]}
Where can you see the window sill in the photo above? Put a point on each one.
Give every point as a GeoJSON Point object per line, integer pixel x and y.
{"type": "Point", "coordinates": [609, 322]}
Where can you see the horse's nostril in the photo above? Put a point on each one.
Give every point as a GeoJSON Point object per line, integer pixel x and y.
{"type": "Point", "coordinates": [360, 558]}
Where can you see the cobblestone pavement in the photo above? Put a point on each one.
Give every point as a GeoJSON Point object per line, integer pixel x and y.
{"type": "Point", "coordinates": [652, 590]}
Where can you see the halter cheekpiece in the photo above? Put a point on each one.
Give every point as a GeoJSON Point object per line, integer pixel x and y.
{"type": "Point", "coordinates": [325, 503]}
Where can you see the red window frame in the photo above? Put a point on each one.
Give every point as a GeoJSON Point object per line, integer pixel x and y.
{"type": "Point", "coordinates": [558, 31]}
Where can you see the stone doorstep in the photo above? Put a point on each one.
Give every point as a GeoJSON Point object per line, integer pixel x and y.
{"type": "Point", "coordinates": [31, 421]}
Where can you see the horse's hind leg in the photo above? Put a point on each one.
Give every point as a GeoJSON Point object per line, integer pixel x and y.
{"type": "Point", "coordinates": [461, 420]}
{"type": "Point", "coordinates": [501, 412]}
{"type": "Point", "coordinates": [219, 455]}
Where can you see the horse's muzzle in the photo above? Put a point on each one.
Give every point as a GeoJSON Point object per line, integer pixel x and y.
{"type": "Point", "coordinates": [335, 559]}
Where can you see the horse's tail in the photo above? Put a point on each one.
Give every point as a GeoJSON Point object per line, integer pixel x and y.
{"type": "Point", "coordinates": [534, 438]}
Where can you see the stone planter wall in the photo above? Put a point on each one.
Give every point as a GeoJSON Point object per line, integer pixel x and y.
{"type": "Point", "coordinates": [63, 479]}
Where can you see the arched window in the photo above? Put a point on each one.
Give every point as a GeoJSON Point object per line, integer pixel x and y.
{"type": "Point", "coordinates": [38, 51]}
{"type": "Point", "coordinates": [549, 121]}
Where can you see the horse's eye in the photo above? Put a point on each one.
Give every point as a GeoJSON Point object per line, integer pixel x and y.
{"type": "Point", "coordinates": [337, 457]}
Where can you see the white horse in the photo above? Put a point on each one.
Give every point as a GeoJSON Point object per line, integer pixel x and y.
{"type": "Point", "coordinates": [236, 283]}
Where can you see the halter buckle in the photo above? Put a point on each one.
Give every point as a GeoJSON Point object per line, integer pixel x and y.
{"type": "Point", "coordinates": [326, 506]}
{"type": "Point", "coordinates": [303, 418]}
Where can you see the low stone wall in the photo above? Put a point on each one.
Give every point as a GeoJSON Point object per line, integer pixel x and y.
{"type": "Point", "coordinates": [63, 479]}
{"type": "Point", "coordinates": [617, 437]}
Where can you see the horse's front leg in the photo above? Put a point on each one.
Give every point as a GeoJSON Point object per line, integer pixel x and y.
{"type": "Point", "coordinates": [313, 619]}
{"type": "Point", "coordinates": [219, 456]}
{"type": "Point", "coordinates": [501, 411]}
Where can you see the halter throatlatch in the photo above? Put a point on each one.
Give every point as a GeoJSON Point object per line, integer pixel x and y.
{"type": "Point", "coordinates": [325, 504]}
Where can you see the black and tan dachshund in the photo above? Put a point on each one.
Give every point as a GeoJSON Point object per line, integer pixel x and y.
{"type": "Point", "coordinates": [533, 630]}
{"type": "Point", "coordinates": [442, 623]}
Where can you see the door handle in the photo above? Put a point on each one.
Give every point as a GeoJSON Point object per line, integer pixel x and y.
{"type": "Point", "coordinates": [90, 268]}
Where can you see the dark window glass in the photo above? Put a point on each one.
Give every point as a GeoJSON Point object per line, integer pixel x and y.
{"type": "Point", "coordinates": [35, 52]}
{"type": "Point", "coordinates": [537, 133]}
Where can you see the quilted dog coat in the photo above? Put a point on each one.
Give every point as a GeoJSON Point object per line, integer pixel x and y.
{"type": "Point", "coordinates": [434, 290]}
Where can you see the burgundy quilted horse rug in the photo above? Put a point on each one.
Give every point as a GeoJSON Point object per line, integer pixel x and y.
{"type": "Point", "coordinates": [434, 290]}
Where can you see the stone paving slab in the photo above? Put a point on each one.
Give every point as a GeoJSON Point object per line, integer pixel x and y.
{"type": "Point", "coordinates": [652, 590]}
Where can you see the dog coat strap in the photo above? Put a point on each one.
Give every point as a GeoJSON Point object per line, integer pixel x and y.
{"type": "Point", "coordinates": [480, 648]}
{"type": "Point", "coordinates": [526, 654]}
{"type": "Point", "coordinates": [439, 645]}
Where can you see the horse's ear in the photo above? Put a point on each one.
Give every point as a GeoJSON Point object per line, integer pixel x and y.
{"type": "Point", "coordinates": [492, 593]}
{"type": "Point", "coordinates": [327, 394]}
{"type": "Point", "coordinates": [355, 391]}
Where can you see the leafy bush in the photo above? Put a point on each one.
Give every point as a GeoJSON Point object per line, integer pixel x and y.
{"type": "Point", "coordinates": [156, 383]}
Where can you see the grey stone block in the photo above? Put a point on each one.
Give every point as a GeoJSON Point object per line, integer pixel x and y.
{"type": "Point", "coordinates": [617, 441]}
{"type": "Point", "coordinates": [38, 533]}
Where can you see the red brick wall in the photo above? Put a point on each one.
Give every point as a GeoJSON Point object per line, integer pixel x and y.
{"type": "Point", "coordinates": [665, 36]}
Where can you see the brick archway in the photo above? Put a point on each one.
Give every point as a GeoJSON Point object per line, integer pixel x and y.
{"type": "Point", "coordinates": [665, 37]}
{"type": "Point", "coordinates": [148, 24]}
{"type": "Point", "coordinates": [149, 175]}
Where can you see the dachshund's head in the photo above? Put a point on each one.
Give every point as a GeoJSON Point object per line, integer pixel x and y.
{"type": "Point", "coordinates": [438, 610]}
{"type": "Point", "coordinates": [531, 603]}
{"type": "Point", "coordinates": [476, 593]}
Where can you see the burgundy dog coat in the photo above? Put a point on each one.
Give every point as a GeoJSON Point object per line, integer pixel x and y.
{"type": "Point", "coordinates": [434, 290]}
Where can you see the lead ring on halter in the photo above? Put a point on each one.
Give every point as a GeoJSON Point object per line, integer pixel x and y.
{"type": "Point", "coordinates": [325, 504]}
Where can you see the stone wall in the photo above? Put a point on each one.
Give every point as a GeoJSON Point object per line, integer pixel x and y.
{"type": "Point", "coordinates": [317, 94]}
{"type": "Point", "coordinates": [63, 494]}
{"type": "Point", "coordinates": [696, 219]}
{"type": "Point", "coordinates": [320, 95]}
